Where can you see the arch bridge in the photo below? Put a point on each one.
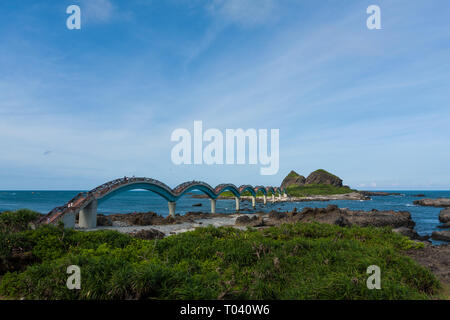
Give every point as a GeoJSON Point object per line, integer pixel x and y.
{"type": "Point", "coordinates": [85, 203]}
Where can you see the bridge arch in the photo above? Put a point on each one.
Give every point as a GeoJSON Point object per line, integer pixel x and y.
{"type": "Point", "coordinates": [85, 203]}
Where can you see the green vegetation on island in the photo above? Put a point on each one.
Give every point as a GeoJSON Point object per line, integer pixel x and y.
{"type": "Point", "coordinates": [318, 183]}
{"type": "Point", "coordinates": [291, 261]}
{"type": "Point", "coordinates": [317, 190]}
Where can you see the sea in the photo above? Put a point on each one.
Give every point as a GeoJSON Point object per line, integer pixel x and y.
{"type": "Point", "coordinates": [426, 218]}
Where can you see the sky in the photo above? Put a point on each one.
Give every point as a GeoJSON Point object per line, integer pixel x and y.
{"type": "Point", "coordinates": [82, 107]}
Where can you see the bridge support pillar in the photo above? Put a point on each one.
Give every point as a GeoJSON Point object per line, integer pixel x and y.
{"type": "Point", "coordinates": [213, 205]}
{"type": "Point", "coordinates": [253, 202]}
{"type": "Point", "coordinates": [279, 196]}
{"type": "Point", "coordinates": [172, 208]}
{"type": "Point", "coordinates": [68, 220]}
{"type": "Point", "coordinates": [273, 198]}
{"type": "Point", "coordinates": [265, 199]}
{"type": "Point", "coordinates": [88, 216]}
{"type": "Point", "coordinates": [237, 203]}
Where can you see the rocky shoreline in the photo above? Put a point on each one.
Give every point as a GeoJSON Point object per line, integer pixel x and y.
{"type": "Point", "coordinates": [444, 216]}
{"type": "Point", "coordinates": [439, 202]}
{"type": "Point", "coordinates": [152, 226]}
{"type": "Point", "coordinates": [400, 221]}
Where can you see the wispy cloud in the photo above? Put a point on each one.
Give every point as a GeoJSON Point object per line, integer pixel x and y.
{"type": "Point", "coordinates": [245, 13]}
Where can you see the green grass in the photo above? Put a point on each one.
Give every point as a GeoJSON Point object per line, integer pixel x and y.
{"type": "Point", "coordinates": [326, 172]}
{"type": "Point", "coordinates": [316, 190]}
{"type": "Point", "coordinates": [292, 174]}
{"type": "Point", "coordinates": [300, 261]}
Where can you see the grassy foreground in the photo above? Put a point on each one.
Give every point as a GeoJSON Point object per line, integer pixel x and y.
{"type": "Point", "coordinates": [301, 261]}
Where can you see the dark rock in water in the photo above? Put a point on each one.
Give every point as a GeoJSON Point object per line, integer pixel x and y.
{"type": "Point", "coordinates": [444, 216]}
{"type": "Point", "coordinates": [249, 222]}
{"type": "Point", "coordinates": [332, 214]}
{"type": "Point", "coordinates": [440, 202]}
{"type": "Point", "coordinates": [148, 234]}
{"type": "Point", "coordinates": [323, 177]}
{"type": "Point", "coordinates": [379, 193]}
{"type": "Point", "coordinates": [441, 235]}
{"type": "Point", "coordinates": [104, 221]}
{"type": "Point", "coordinates": [410, 233]}
{"type": "Point", "coordinates": [444, 226]}
{"type": "Point", "coordinates": [293, 179]}
{"type": "Point", "coordinates": [419, 195]}
{"type": "Point", "coordinates": [197, 205]}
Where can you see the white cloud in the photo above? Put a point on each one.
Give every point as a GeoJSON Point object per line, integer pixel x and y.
{"type": "Point", "coordinates": [247, 13]}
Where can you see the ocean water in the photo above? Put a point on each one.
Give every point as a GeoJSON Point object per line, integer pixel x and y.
{"type": "Point", "coordinates": [426, 218]}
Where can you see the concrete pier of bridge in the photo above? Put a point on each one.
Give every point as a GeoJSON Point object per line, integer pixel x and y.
{"type": "Point", "coordinates": [253, 202]}
{"type": "Point", "coordinates": [88, 216]}
{"type": "Point", "coordinates": [172, 208]}
{"type": "Point", "coordinates": [237, 203]}
{"type": "Point", "coordinates": [213, 205]}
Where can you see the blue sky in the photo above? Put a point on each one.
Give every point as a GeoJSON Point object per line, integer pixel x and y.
{"type": "Point", "coordinates": [80, 107]}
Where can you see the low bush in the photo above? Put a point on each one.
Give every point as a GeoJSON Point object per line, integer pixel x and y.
{"type": "Point", "coordinates": [292, 261]}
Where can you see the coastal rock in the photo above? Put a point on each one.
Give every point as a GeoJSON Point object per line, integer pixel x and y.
{"type": "Point", "coordinates": [332, 214]}
{"type": "Point", "coordinates": [323, 177]}
{"type": "Point", "coordinates": [197, 205]}
{"type": "Point", "coordinates": [249, 222]}
{"type": "Point", "coordinates": [435, 258]}
{"type": "Point", "coordinates": [277, 215]}
{"type": "Point", "coordinates": [149, 234]}
{"type": "Point", "coordinates": [441, 235]}
{"type": "Point", "coordinates": [293, 178]}
{"type": "Point", "coordinates": [444, 216]}
{"type": "Point", "coordinates": [410, 233]}
{"type": "Point", "coordinates": [439, 202]}
{"type": "Point", "coordinates": [379, 193]}
{"type": "Point", "coordinates": [104, 221]}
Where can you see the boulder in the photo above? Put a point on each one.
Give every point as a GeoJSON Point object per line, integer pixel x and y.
{"type": "Point", "coordinates": [149, 234]}
{"type": "Point", "coordinates": [344, 217]}
{"type": "Point", "coordinates": [277, 215]}
{"type": "Point", "coordinates": [103, 220]}
{"type": "Point", "coordinates": [441, 235]}
{"type": "Point", "coordinates": [410, 233]}
{"type": "Point", "coordinates": [293, 179]}
{"type": "Point", "coordinates": [249, 222]}
{"type": "Point", "coordinates": [379, 193]}
{"type": "Point", "coordinates": [444, 215]}
{"type": "Point", "coordinates": [323, 177]}
{"type": "Point", "coordinates": [439, 202]}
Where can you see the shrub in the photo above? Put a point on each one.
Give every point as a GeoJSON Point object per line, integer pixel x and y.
{"type": "Point", "coordinates": [292, 261]}
{"type": "Point", "coordinates": [15, 221]}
